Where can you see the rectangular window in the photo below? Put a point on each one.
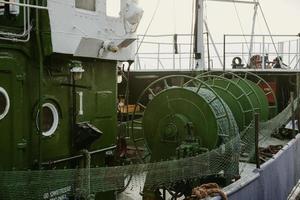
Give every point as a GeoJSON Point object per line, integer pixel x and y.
{"type": "Point", "coordinates": [113, 8]}
{"type": "Point", "coordinates": [86, 4]}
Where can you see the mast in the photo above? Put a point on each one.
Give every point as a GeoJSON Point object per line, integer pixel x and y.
{"type": "Point", "coordinates": [199, 42]}
{"type": "Point", "coordinates": [252, 33]}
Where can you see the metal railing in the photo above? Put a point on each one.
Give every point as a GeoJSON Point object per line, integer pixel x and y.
{"type": "Point", "coordinates": [165, 52]}
{"type": "Point", "coordinates": [175, 52]}
{"type": "Point", "coordinates": [18, 37]}
{"type": "Point", "coordinates": [288, 49]}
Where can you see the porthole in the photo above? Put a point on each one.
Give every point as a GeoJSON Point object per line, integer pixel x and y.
{"type": "Point", "coordinates": [4, 103]}
{"type": "Point", "coordinates": [50, 119]}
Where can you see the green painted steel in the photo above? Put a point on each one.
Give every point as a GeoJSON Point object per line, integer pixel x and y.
{"type": "Point", "coordinates": [33, 75]}
{"type": "Point", "coordinates": [19, 134]}
{"type": "Point", "coordinates": [257, 96]}
{"type": "Point", "coordinates": [19, 76]}
{"type": "Point", "coordinates": [235, 97]}
{"type": "Point", "coordinates": [167, 116]}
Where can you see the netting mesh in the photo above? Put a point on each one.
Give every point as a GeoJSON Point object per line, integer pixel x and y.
{"type": "Point", "coordinates": [51, 184]}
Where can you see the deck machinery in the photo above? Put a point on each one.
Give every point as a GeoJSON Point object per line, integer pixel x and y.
{"type": "Point", "coordinates": [58, 95]}
{"type": "Point", "coordinates": [207, 109]}
{"type": "Point", "coordinates": [185, 116]}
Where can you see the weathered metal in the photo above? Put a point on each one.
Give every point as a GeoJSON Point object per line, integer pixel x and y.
{"type": "Point", "coordinates": [182, 112]}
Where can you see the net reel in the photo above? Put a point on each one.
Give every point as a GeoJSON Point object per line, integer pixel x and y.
{"type": "Point", "coordinates": [180, 114]}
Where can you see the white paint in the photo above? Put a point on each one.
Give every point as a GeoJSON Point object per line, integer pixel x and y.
{"type": "Point", "coordinates": [69, 26]}
{"type": "Point", "coordinates": [80, 94]}
{"type": "Point", "coordinates": [3, 92]}
{"type": "Point", "coordinates": [200, 44]}
{"type": "Point", "coordinates": [55, 115]}
{"type": "Point", "coordinates": [113, 8]}
{"type": "Point", "coordinates": [14, 9]}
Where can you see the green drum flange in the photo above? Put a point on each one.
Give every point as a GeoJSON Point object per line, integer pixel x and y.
{"type": "Point", "coordinates": [167, 115]}
{"type": "Point", "coordinates": [255, 91]}
{"type": "Point", "coordinates": [258, 98]}
{"type": "Point", "coordinates": [235, 97]}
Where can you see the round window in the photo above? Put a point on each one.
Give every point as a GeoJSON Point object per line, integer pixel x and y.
{"type": "Point", "coordinates": [4, 103]}
{"type": "Point", "coordinates": [49, 120]}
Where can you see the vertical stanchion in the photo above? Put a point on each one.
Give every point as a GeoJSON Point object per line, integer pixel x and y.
{"type": "Point", "coordinates": [263, 54]}
{"type": "Point", "coordinates": [224, 52]}
{"type": "Point", "coordinates": [158, 55]}
{"type": "Point", "coordinates": [293, 115]}
{"type": "Point", "coordinates": [298, 100]}
{"type": "Point", "coordinates": [256, 118]}
{"type": "Point", "coordinates": [87, 176]}
{"type": "Point", "coordinates": [208, 52]}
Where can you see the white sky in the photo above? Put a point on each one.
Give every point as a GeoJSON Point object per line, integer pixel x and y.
{"type": "Point", "coordinates": [283, 17]}
{"type": "Point", "coordinates": [174, 16]}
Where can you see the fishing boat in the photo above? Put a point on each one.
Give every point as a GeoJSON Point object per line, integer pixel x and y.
{"type": "Point", "coordinates": [84, 116]}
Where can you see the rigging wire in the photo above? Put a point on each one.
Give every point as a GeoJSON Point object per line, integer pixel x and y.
{"type": "Point", "coordinates": [174, 17]}
{"type": "Point", "coordinates": [269, 31]}
{"type": "Point", "coordinates": [241, 25]}
{"type": "Point", "coordinates": [148, 27]}
{"type": "Point", "coordinates": [213, 43]}
{"type": "Point", "coordinates": [205, 11]}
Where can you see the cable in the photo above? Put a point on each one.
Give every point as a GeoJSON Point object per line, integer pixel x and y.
{"type": "Point", "coordinates": [147, 29]}
{"type": "Point", "coordinates": [174, 17]}
{"type": "Point", "coordinates": [269, 31]}
{"type": "Point", "coordinates": [240, 23]}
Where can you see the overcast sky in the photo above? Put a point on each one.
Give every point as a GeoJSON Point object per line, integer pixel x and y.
{"type": "Point", "coordinates": [174, 16]}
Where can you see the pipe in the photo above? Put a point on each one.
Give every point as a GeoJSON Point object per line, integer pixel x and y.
{"type": "Point", "coordinates": [234, 1]}
{"type": "Point", "coordinates": [41, 71]}
{"type": "Point", "coordinates": [25, 32]}
{"type": "Point", "coordinates": [256, 120]}
{"type": "Point", "coordinates": [293, 115]}
{"type": "Point", "coordinates": [25, 5]}
{"type": "Point", "coordinates": [224, 52]}
{"type": "Point", "coordinates": [79, 156]}
{"type": "Point", "coordinates": [208, 52]}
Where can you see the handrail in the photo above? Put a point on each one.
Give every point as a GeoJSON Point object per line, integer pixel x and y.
{"type": "Point", "coordinates": [161, 48]}
{"type": "Point", "coordinates": [24, 5]}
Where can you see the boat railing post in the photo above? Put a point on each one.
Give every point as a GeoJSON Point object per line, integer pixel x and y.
{"type": "Point", "coordinates": [256, 122]}
{"type": "Point", "coordinates": [87, 175]}
{"type": "Point", "coordinates": [180, 59]}
{"type": "Point", "coordinates": [158, 56]}
{"type": "Point", "coordinates": [298, 53]}
{"type": "Point", "coordinates": [263, 53]}
{"type": "Point", "coordinates": [298, 100]}
{"type": "Point", "coordinates": [224, 52]}
{"type": "Point", "coordinates": [208, 52]}
{"type": "Point", "coordinates": [293, 114]}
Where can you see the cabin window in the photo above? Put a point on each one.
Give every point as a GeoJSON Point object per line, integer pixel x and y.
{"type": "Point", "coordinates": [86, 4]}
{"type": "Point", "coordinates": [4, 103]}
{"type": "Point", "coordinates": [50, 119]}
{"type": "Point", "coordinates": [113, 8]}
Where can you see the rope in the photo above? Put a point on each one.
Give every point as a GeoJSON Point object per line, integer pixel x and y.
{"type": "Point", "coordinates": [207, 190]}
